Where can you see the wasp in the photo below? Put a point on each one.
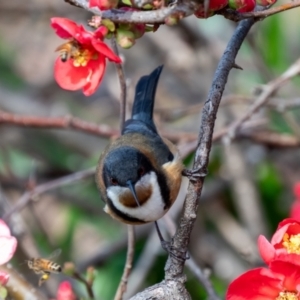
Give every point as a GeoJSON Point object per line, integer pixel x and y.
{"type": "Point", "coordinates": [68, 50]}
{"type": "Point", "coordinates": [45, 266]}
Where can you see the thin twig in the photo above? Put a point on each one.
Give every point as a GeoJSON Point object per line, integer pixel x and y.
{"type": "Point", "coordinates": [236, 16]}
{"type": "Point", "coordinates": [42, 188]}
{"type": "Point", "coordinates": [123, 86]}
{"type": "Point", "coordinates": [70, 122]}
{"type": "Point", "coordinates": [267, 91]}
{"type": "Point", "coordinates": [88, 286]}
{"type": "Point", "coordinates": [128, 266]}
{"type": "Point", "coordinates": [66, 122]}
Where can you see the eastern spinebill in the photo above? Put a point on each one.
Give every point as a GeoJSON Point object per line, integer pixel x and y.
{"type": "Point", "coordinates": [139, 174]}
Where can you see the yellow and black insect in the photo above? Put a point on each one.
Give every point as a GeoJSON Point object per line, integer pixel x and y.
{"type": "Point", "coordinates": [68, 50]}
{"type": "Point", "coordinates": [45, 266]}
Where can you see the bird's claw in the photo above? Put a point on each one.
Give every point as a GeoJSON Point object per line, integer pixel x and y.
{"type": "Point", "coordinates": [195, 174]}
{"type": "Point", "coordinates": [176, 253]}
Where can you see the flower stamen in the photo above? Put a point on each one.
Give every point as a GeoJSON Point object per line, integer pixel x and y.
{"type": "Point", "coordinates": [83, 56]}
{"type": "Point", "coordinates": [291, 243]}
{"type": "Point", "coordinates": [287, 296]}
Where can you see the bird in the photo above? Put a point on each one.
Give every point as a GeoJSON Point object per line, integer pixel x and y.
{"type": "Point", "coordinates": [139, 174]}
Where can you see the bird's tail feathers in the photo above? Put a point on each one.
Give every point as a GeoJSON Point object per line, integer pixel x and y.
{"type": "Point", "coordinates": [145, 96]}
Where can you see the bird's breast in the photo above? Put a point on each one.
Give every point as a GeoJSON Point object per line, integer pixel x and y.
{"type": "Point", "coordinates": [151, 204]}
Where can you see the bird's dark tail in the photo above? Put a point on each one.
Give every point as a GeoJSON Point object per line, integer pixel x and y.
{"type": "Point", "coordinates": [144, 97]}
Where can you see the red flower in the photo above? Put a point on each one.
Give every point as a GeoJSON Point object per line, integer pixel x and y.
{"type": "Point", "coordinates": [280, 282]}
{"type": "Point", "coordinates": [3, 278]}
{"type": "Point", "coordinates": [65, 291]}
{"type": "Point", "coordinates": [285, 241]}
{"type": "Point", "coordinates": [82, 60]}
{"type": "Point", "coordinates": [103, 4]}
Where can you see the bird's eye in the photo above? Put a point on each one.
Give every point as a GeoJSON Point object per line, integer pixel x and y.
{"type": "Point", "coordinates": [113, 181]}
{"type": "Point", "coordinates": [141, 171]}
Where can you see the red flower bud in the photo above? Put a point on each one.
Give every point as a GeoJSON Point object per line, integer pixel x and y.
{"type": "Point", "coordinates": [217, 4]}
{"type": "Point", "coordinates": [3, 278]}
{"type": "Point", "coordinates": [213, 6]}
{"type": "Point", "coordinates": [65, 291]}
{"type": "Point", "coordinates": [242, 5]}
{"type": "Point", "coordinates": [103, 4]}
{"type": "Point", "coordinates": [200, 13]}
{"type": "Point", "coordinates": [265, 2]}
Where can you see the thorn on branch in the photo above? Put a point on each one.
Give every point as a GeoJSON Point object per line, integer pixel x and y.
{"type": "Point", "coordinates": [236, 66]}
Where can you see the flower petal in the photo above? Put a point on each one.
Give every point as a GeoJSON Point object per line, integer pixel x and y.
{"type": "Point", "coordinates": [278, 235]}
{"type": "Point", "coordinates": [102, 48]}
{"type": "Point", "coordinates": [4, 230]}
{"type": "Point", "coordinates": [256, 284]}
{"type": "Point", "coordinates": [64, 28]}
{"type": "Point", "coordinates": [266, 249]}
{"type": "Point", "coordinates": [69, 77]}
{"type": "Point", "coordinates": [7, 248]}
{"type": "Point", "coordinates": [83, 36]}
{"type": "Point", "coordinates": [290, 271]}
{"type": "Point", "coordinates": [97, 68]}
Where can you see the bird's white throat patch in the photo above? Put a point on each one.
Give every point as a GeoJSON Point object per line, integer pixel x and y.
{"type": "Point", "coordinates": [151, 210]}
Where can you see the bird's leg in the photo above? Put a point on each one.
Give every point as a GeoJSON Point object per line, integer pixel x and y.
{"type": "Point", "coordinates": [171, 249]}
{"type": "Point", "coordinates": [195, 174]}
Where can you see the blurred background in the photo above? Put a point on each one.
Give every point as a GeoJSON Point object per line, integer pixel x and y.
{"type": "Point", "coordinates": [248, 190]}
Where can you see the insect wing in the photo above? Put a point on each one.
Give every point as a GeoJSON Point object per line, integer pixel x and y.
{"type": "Point", "coordinates": [54, 254]}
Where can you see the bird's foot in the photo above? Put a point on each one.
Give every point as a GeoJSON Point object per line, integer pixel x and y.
{"type": "Point", "coordinates": [195, 174]}
{"type": "Point", "coordinates": [174, 252]}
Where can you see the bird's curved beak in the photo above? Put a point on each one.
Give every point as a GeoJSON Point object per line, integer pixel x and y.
{"type": "Point", "coordinates": [132, 189]}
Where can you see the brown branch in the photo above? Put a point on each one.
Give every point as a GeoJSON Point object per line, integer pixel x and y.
{"type": "Point", "coordinates": [266, 92]}
{"type": "Point", "coordinates": [173, 285]}
{"type": "Point", "coordinates": [123, 86]}
{"type": "Point", "coordinates": [70, 122]}
{"type": "Point", "coordinates": [128, 266]}
{"type": "Point", "coordinates": [88, 285]}
{"type": "Point", "coordinates": [42, 188]}
{"type": "Point", "coordinates": [174, 267]}
{"type": "Point", "coordinates": [184, 9]}
{"type": "Point", "coordinates": [192, 265]}
{"type": "Point", "coordinates": [66, 122]}
{"type": "Point", "coordinates": [272, 139]}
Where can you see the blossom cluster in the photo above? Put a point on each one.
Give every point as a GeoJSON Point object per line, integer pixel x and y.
{"type": "Point", "coordinates": [82, 60]}
{"type": "Point", "coordinates": [281, 279]}
{"type": "Point", "coordinates": [238, 5]}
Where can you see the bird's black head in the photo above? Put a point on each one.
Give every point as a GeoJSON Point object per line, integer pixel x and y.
{"type": "Point", "coordinates": [125, 165]}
